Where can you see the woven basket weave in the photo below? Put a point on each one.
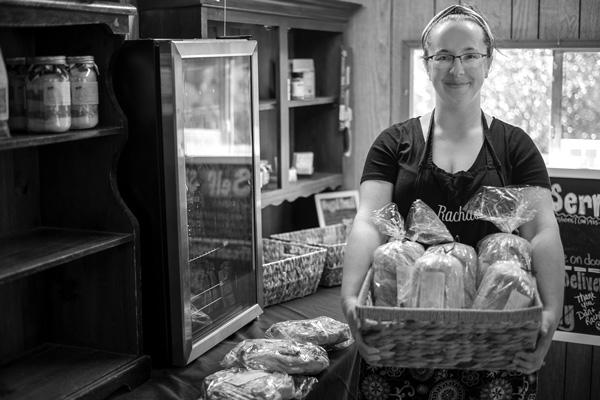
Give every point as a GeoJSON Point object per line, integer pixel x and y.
{"type": "Point", "coordinates": [290, 270]}
{"type": "Point", "coordinates": [333, 239]}
{"type": "Point", "coordinates": [458, 339]}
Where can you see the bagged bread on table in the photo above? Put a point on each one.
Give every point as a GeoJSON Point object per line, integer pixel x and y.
{"type": "Point", "coordinates": [243, 384]}
{"type": "Point", "coordinates": [505, 286]}
{"type": "Point", "coordinates": [508, 208]}
{"type": "Point", "coordinates": [277, 355]}
{"type": "Point", "coordinates": [393, 261]}
{"type": "Point", "coordinates": [437, 282]}
{"type": "Point", "coordinates": [468, 259]}
{"type": "Point", "coordinates": [322, 331]}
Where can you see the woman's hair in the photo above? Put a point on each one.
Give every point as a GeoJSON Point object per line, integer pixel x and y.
{"type": "Point", "coordinates": [464, 12]}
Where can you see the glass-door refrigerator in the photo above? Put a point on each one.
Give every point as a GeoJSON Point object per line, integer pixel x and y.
{"type": "Point", "coordinates": [189, 173]}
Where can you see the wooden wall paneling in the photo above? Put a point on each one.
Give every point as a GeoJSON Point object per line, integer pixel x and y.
{"type": "Point", "coordinates": [409, 19]}
{"type": "Point", "coordinates": [589, 24]}
{"type": "Point", "coordinates": [551, 384]}
{"type": "Point", "coordinates": [559, 19]}
{"type": "Point", "coordinates": [369, 36]}
{"type": "Point", "coordinates": [578, 372]}
{"type": "Point", "coordinates": [499, 16]}
{"type": "Point", "coordinates": [525, 21]}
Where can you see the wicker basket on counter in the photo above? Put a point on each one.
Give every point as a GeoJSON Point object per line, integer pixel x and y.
{"type": "Point", "coordinates": [290, 270]}
{"type": "Point", "coordinates": [333, 239]}
{"type": "Point", "coordinates": [447, 338]}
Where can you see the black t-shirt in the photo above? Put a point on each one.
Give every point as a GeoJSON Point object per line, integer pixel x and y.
{"type": "Point", "coordinates": [394, 157]}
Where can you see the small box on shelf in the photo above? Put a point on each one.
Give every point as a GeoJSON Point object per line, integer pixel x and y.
{"type": "Point", "coordinates": [303, 78]}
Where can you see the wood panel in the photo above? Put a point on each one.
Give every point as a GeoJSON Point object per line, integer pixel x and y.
{"type": "Point", "coordinates": [369, 36]}
{"type": "Point", "coordinates": [595, 384]}
{"type": "Point", "coordinates": [525, 23]}
{"type": "Point", "coordinates": [498, 14]}
{"type": "Point", "coordinates": [578, 372]}
{"type": "Point", "coordinates": [441, 4]}
{"type": "Point", "coordinates": [589, 25]}
{"type": "Point", "coordinates": [559, 19]}
{"type": "Point", "coordinates": [551, 376]}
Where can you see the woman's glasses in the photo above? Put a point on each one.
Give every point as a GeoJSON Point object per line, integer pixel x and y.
{"type": "Point", "coordinates": [468, 60]}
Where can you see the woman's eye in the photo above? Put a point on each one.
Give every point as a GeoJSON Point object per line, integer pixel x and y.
{"type": "Point", "coordinates": [442, 58]}
{"type": "Point", "coordinates": [470, 56]}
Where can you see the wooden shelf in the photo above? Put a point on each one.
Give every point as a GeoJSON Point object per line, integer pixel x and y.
{"type": "Point", "coordinates": [313, 102]}
{"type": "Point", "coordinates": [44, 248]}
{"type": "Point", "coordinates": [54, 371]}
{"type": "Point", "coordinates": [45, 13]}
{"type": "Point", "coordinates": [20, 140]}
{"type": "Point", "coordinates": [304, 187]}
{"type": "Point", "coordinates": [265, 105]}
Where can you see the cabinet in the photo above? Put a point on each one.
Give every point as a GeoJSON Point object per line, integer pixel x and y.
{"type": "Point", "coordinates": [69, 273]}
{"type": "Point", "coordinates": [284, 30]}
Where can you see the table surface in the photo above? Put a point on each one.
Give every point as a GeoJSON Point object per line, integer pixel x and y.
{"type": "Point", "coordinates": [185, 383]}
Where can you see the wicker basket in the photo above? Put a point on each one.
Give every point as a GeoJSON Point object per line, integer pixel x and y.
{"type": "Point", "coordinates": [333, 239]}
{"type": "Point", "coordinates": [459, 339]}
{"type": "Point", "coordinates": [290, 270]}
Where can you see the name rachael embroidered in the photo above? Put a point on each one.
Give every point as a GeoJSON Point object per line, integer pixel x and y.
{"type": "Point", "coordinates": [455, 216]}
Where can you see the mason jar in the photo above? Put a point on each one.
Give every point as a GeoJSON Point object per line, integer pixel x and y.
{"type": "Point", "coordinates": [16, 69]}
{"type": "Point", "coordinates": [48, 95]}
{"type": "Point", "coordinates": [83, 75]}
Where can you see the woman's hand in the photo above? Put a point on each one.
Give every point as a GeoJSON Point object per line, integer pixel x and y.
{"type": "Point", "coordinates": [529, 362]}
{"type": "Point", "coordinates": [369, 354]}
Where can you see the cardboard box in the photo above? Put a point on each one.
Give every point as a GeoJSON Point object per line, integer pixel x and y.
{"type": "Point", "coordinates": [304, 70]}
{"type": "Point", "coordinates": [303, 162]}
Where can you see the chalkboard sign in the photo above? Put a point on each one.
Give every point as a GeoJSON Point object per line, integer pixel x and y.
{"type": "Point", "coordinates": [336, 207]}
{"type": "Point", "coordinates": [576, 198]}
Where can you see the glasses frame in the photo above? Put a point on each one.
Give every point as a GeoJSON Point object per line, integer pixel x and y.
{"type": "Point", "coordinates": [460, 57]}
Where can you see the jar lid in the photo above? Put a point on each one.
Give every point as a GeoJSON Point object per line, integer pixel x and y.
{"type": "Point", "coordinates": [49, 60]}
{"type": "Point", "coordinates": [15, 61]}
{"type": "Point", "coordinates": [80, 59]}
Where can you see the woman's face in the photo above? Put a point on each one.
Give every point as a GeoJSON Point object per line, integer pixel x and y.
{"type": "Point", "coordinates": [457, 85]}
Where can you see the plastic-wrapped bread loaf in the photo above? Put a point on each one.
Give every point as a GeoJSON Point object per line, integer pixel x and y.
{"type": "Point", "coordinates": [279, 355]}
{"type": "Point", "coordinates": [392, 269]}
{"type": "Point", "coordinates": [322, 331]}
{"type": "Point", "coordinates": [502, 247]}
{"type": "Point", "coordinates": [437, 282]}
{"type": "Point", "coordinates": [505, 286]}
{"type": "Point", "coordinates": [468, 258]}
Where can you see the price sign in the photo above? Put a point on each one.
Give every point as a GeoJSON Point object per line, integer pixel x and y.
{"type": "Point", "coordinates": [576, 198]}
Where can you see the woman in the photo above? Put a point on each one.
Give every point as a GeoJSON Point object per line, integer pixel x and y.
{"type": "Point", "coordinates": [443, 158]}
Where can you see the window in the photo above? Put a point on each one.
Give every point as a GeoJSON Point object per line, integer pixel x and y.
{"type": "Point", "coordinates": [554, 95]}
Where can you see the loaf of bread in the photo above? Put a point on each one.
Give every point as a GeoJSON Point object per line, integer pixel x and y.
{"type": "Point", "coordinates": [468, 258]}
{"type": "Point", "coordinates": [437, 282]}
{"type": "Point", "coordinates": [322, 331]}
{"type": "Point", "coordinates": [241, 384]}
{"type": "Point", "coordinates": [277, 355]}
{"type": "Point", "coordinates": [502, 247]}
{"type": "Point", "coordinates": [505, 286]}
{"type": "Point", "coordinates": [424, 226]}
{"type": "Point", "coordinates": [392, 270]}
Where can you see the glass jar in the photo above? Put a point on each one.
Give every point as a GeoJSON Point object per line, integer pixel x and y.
{"type": "Point", "coordinates": [83, 75]}
{"type": "Point", "coordinates": [17, 72]}
{"type": "Point", "coordinates": [48, 95]}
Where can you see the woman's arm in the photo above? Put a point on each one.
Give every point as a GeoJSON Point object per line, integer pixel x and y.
{"type": "Point", "coordinates": [549, 266]}
{"type": "Point", "coordinates": [364, 238]}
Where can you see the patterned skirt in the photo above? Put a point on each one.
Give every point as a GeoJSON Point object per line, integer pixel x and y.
{"type": "Point", "coordinates": [379, 383]}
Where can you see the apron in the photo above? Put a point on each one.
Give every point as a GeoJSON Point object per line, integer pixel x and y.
{"type": "Point", "coordinates": [446, 194]}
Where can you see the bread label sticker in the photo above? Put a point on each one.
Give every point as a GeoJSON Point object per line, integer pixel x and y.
{"type": "Point", "coordinates": [517, 301]}
{"type": "Point", "coordinates": [245, 377]}
{"type": "Point", "coordinates": [432, 289]}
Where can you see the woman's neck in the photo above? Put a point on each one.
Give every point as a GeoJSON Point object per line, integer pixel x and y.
{"type": "Point", "coordinates": [458, 120]}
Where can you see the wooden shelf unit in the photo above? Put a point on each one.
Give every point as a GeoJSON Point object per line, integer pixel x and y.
{"type": "Point", "coordinates": [69, 271]}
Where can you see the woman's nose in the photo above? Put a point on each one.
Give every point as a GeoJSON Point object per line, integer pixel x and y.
{"type": "Point", "coordinates": [457, 67]}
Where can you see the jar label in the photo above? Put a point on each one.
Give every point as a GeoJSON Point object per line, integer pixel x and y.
{"type": "Point", "coordinates": [83, 93]}
{"type": "Point", "coordinates": [57, 94]}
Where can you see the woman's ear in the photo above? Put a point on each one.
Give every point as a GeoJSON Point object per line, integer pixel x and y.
{"type": "Point", "coordinates": [489, 62]}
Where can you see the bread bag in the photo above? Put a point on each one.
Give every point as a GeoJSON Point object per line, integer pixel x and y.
{"type": "Point", "coordinates": [323, 331]}
{"type": "Point", "coordinates": [424, 226]}
{"type": "Point", "coordinates": [242, 384]}
{"type": "Point", "coordinates": [393, 261]}
{"type": "Point", "coordinates": [437, 282]}
{"type": "Point", "coordinates": [505, 286]}
{"type": "Point", "coordinates": [277, 355]}
{"type": "Point", "coordinates": [468, 259]}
